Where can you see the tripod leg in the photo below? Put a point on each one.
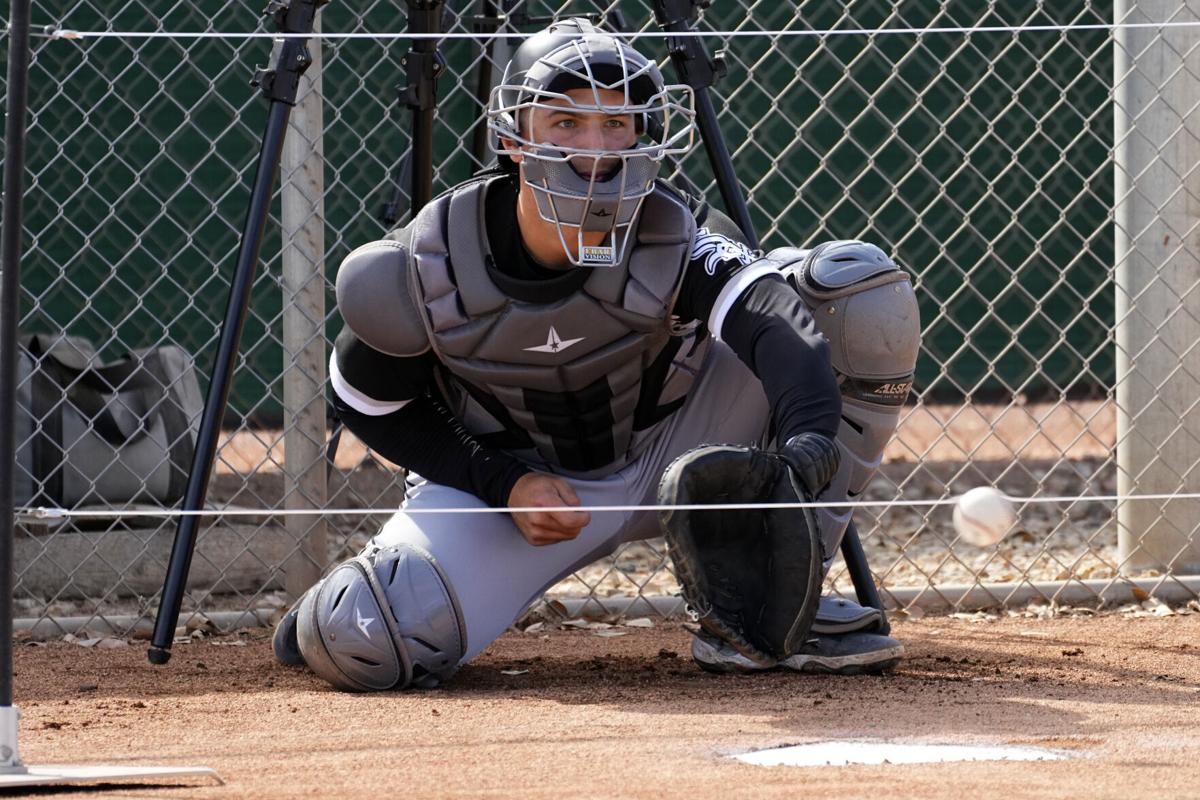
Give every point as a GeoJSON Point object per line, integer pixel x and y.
{"type": "Point", "coordinates": [279, 84]}
{"type": "Point", "coordinates": [483, 84]}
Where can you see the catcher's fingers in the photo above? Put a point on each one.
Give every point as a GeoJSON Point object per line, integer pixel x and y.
{"type": "Point", "coordinates": [567, 521]}
{"type": "Point", "coordinates": [546, 527]}
{"type": "Point", "coordinates": [540, 536]}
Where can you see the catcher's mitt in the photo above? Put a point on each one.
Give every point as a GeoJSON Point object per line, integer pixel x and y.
{"type": "Point", "coordinates": [752, 577]}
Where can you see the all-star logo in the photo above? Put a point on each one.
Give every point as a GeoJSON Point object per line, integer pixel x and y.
{"type": "Point", "coordinates": [362, 622]}
{"type": "Point", "coordinates": [601, 213]}
{"type": "Point", "coordinates": [553, 343]}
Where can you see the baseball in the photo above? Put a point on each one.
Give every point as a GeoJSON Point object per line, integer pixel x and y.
{"type": "Point", "coordinates": [983, 516]}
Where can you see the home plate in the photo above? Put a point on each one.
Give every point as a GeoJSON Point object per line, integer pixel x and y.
{"type": "Point", "coordinates": [840, 754]}
{"type": "Point", "coordinates": [49, 774]}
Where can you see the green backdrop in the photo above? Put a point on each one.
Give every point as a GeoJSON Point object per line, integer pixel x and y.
{"type": "Point", "coordinates": [981, 162]}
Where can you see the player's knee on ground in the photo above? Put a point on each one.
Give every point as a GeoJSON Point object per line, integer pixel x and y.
{"type": "Point", "coordinates": [865, 306]}
{"type": "Point", "coordinates": [381, 621]}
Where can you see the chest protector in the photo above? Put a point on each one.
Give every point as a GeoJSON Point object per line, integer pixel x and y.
{"type": "Point", "coordinates": [583, 381]}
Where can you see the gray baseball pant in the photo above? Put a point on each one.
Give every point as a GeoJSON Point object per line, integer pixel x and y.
{"type": "Point", "coordinates": [496, 574]}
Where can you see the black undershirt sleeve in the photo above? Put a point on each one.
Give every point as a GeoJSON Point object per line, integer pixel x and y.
{"type": "Point", "coordinates": [771, 331]}
{"type": "Point", "coordinates": [424, 437]}
{"type": "Point", "coordinates": [706, 276]}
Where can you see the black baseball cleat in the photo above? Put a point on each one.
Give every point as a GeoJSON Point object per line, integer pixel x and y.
{"type": "Point", "coordinates": [713, 655]}
{"type": "Point", "coordinates": [834, 654]}
{"type": "Point", "coordinates": [284, 642]}
{"type": "Point", "coordinates": [857, 653]}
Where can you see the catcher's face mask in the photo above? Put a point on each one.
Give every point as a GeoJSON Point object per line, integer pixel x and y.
{"type": "Point", "coordinates": [591, 121]}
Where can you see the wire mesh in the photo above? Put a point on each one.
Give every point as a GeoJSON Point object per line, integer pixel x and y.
{"type": "Point", "coordinates": [984, 163]}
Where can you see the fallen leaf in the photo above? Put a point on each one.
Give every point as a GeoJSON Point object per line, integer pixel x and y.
{"type": "Point", "coordinates": [111, 644]}
{"type": "Point", "coordinates": [640, 622]}
{"type": "Point", "coordinates": [535, 627]}
{"type": "Point", "coordinates": [1141, 594]}
{"type": "Point", "coordinates": [574, 623]}
{"type": "Point", "coordinates": [513, 671]}
{"type": "Point", "coordinates": [199, 622]}
{"type": "Point", "coordinates": [610, 633]}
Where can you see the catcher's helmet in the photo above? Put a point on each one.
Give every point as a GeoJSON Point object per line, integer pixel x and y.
{"type": "Point", "coordinates": [574, 54]}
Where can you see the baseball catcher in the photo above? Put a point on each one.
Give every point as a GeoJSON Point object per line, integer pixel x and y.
{"type": "Point", "coordinates": [563, 330]}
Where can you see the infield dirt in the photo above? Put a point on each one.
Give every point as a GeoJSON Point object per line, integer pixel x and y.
{"type": "Point", "coordinates": [570, 713]}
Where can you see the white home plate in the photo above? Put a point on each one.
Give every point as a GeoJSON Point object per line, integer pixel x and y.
{"type": "Point", "coordinates": [840, 754]}
{"type": "Point", "coordinates": [49, 774]}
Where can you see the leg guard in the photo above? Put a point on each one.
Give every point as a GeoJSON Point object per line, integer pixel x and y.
{"type": "Point", "coordinates": [384, 620]}
{"type": "Point", "coordinates": [865, 306]}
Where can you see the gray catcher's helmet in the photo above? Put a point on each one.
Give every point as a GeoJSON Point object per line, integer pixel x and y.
{"type": "Point", "coordinates": [575, 54]}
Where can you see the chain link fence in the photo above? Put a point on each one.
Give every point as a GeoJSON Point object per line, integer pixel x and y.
{"type": "Point", "coordinates": [989, 164]}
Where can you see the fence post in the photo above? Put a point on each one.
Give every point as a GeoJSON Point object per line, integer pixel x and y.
{"type": "Point", "coordinates": [1156, 89]}
{"type": "Point", "coordinates": [303, 219]}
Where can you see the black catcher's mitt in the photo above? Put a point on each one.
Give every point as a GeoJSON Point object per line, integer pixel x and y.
{"type": "Point", "coordinates": [753, 577]}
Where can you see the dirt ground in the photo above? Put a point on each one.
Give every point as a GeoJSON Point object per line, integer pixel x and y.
{"type": "Point", "coordinates": [624, 713]}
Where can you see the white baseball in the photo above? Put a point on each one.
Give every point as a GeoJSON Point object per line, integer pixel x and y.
{"type": "Point", "coordinates": [983, 516]}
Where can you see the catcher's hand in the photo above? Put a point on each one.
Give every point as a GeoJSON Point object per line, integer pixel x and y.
{"type": "Point", "coordinates": [752, 577]}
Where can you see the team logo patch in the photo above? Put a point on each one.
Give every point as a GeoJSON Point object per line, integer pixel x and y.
{"type": "Point", "coordinates": [888, 393]}
{"type": "Point", "coordinates": [715, 249]}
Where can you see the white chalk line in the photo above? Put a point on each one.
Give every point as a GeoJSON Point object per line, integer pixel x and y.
{"type": "Point", "coordinates": [52, 32]}
{"type": "Point", "coordinates": [42, 512]}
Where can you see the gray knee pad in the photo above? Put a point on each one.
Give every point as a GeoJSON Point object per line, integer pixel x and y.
{"type": "Point", "coordinates": [380, 621]}
{"type": "Point", "coordinates": [865, 306]}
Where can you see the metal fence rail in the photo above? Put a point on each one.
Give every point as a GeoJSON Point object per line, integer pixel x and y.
{"type": "Point", "coordinates": [1005, 170]}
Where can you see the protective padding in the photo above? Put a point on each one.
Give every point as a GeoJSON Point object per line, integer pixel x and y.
{"type": "Point", "coordinates": [385, 620]}
{"type": "Point", "coordinates": [865, 306]}
{"type": "Point", "coordinates": [342, 633]}
{"type": "Point", "coordinates": [429, 628]}
{"type": "Point", "coordinates": [562, 195]}
{"type": "Point", "coordinates": [373, 299]}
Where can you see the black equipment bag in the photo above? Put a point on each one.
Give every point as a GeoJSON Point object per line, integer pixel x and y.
{"type": "Point", "coordinates": [92, 433]}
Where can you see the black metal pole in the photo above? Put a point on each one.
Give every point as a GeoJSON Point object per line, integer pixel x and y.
{"type": "Point", "coordinates": [860, 574]}
{"type": "Point", "coordinates": [423, 64]}
{"type": "Point", "coordinates": [695, 68]}
{"type": "Point", "coordinates": [279, 84]}
{"type": "Point", "coordinates": [10, 307]}
{"type": "Point", "coordinates": [488, 22]}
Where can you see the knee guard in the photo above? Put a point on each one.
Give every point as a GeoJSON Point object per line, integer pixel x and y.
{"type": "Point", "coordinates": [386, 620]}
{"type": "Point", "coordinates": [865, 306]}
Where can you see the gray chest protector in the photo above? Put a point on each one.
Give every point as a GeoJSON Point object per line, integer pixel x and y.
{"type": "Point", "coordinates": [580, 381]}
